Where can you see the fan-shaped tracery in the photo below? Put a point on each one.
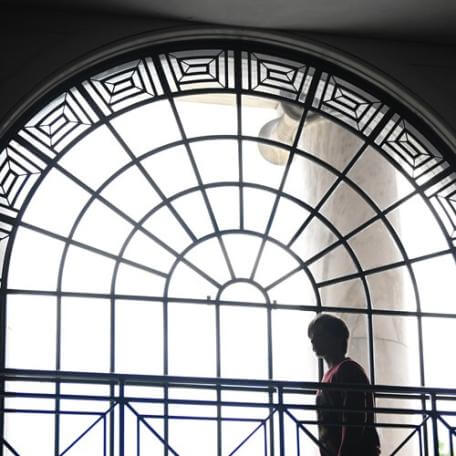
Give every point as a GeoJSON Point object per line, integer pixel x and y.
{"type": "Point", "coordinates": [233, 194]}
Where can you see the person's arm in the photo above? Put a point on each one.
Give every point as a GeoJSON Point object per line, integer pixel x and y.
{"type": "Point", "coordinates": [352, 436]}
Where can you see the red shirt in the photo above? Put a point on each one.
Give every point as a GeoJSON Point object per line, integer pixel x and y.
{"type": "Point", "coordinates": [341, 439]}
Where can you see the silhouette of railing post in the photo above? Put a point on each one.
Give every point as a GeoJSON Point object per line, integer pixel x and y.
{"type": "Point", "coordinates": [121, 418]}
{"type": "Point", "coordinates": [434, 418]}
{"type": "Point", "coordinates": [281, 423]}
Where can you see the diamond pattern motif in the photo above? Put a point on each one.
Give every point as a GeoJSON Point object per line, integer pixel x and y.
{"type": "Point", "coordinates": [204, 69]}
{"type": "Point", "coordinates": [275, 76]}
{"type": "Point", "coordinates": [61, 122]}
{"type": "Point", "coordinates": [410, 150]}
{"type": "Point", "coordinates": [339, 99]}
{"type": "Point", "coordinates": [124, 86]}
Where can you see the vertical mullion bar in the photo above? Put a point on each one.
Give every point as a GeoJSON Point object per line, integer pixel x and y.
{"type": "Point", "coordinates": [218, 374]}
{"type": "Point", "coordinates": [238, 86]}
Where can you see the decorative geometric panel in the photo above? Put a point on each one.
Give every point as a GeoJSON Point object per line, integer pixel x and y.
{"type": "Point", "coordinates": [59, 123]}
{"type": "Point", "coordinates": [203, 69]}
{"type": "Point", "coordinates": [124, 85]}
{"type": "Point", "coordinates": [443, 197]}
{"type": "Point", "coordinates": [347, 103]}
{"type": "Point", "coordinates": [410, 150]}
{"type": "Point", "coordinates": [276, 76]}
{"type": "Point", "coordinates": [18, 171]}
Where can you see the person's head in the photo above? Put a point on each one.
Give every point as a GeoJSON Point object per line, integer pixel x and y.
{"type": "Point", "coordinates": [328, 335]}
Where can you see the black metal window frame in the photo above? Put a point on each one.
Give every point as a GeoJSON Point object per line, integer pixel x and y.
{"type": "Point", "coordinates": [229, 67]}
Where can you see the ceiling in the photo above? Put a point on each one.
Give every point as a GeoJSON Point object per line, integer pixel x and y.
{"type": "Point", "coordinates": [421, 20]}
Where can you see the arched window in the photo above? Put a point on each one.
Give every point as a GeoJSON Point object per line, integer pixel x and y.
{"type": "Point", "coordinates": [187, 210]}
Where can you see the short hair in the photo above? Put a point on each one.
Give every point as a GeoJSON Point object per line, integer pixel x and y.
{"type": "Point", "coordinates": [333, 325]}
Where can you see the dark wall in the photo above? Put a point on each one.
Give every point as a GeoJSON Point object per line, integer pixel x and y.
{"type": "Point", "coordinates": [37, 44]}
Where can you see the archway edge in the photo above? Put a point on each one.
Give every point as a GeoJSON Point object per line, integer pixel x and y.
{"type": "Point", "coordinates": [423, 111]}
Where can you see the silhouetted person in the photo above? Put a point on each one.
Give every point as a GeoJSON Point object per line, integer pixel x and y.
{"type": "Point", "coordinates": [329, 336]}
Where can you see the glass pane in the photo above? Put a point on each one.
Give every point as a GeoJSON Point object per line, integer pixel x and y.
{"type": "Point", "coordinates": [244, 352]}
{"type": "Point", "coordinates": [143, 250]}
{"type": "Point", "coordinates": [418, 228]}
{"type": "Point", "coordinates": [87, 272]}
{"type": "Point", "coordinates": [436, 283]}
{"type": "Point", "coordinates": [194, 211]}
{"type": "Point", "coordinates": [164, 225]}
{"type": "Point", "coordinates": [346, 209]}
{"type": "Point", "coordinates": [257, 166]}
{"type": "Point", "coordinates": [438, 339]}
{"type": "Point", "coordinates": [95, 158]}
{"type": "Point", "coordinates": [208, 256]}
{"type": "Point", "coordinates": [242, 250]}
{"type": "Point", "coordinates": [258, 206]}
{"type": "Point", "coordinates": [31, 332]}
{"type": "Point", "coordinates": [225, 205]}
{"type": "Point", "coordinates": [35, 261]}
{"type": "Point", "coordinates": [350, 293]}
{"type": "Point", "coordinates": [269, 118]}
{"type": "Point", "coordinates": [185, 282]}
{"type": "Point", "coordinates": [132, 193]}
{"type": "Point", "coordinates": [307, 180]}
{"type": "Point", "coordinates": [217, 161]}
{"type": "Point", "coordinates": [379, 179]}
{"type": "Point", "coordinates": [133, 281]}
{"type": "Point", "coordinates": [56, 203]}
{"type": "Point", "coordinates": [274, 264]}
{"type": "Point", "coordinates": [328, 141]}
{"type": "Point", "coordinates": [288, 219]}
{"type": "Point", "coordinates": [288, 339]}
{"type": "Point", "coordinates": [208, 114]}
{"type": "Point", "coordinates": [315, 237]}
{"type": "Point", "coordinates": [191, 336]}
{"type": "Point", "coordinates": [139, 337]}
{"type": "Point", "coordinates": [143, 129]}
{"type": "Point", "coordinates": [171, 170]}
{"type": "Point", "coordinates": [392, 289]}
{"type": "Point", "coordinates": [374, 246]}
{"type": "Point", "coordinates": [85, 334]}
{"type": "Point", "coordinates": [336, 263]}
{"type": "Point", "coordinates": [396, 350]}
{"type": "Point", "coordinates": [102, 228]}
{"type": "Point", "coordinates": [296, 289]}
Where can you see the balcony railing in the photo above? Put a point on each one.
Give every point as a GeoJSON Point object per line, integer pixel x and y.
{"type": "Point", "coordinates": [143, 415]}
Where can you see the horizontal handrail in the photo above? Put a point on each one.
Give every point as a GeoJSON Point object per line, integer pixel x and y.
{"type": "Point", "coordinates": [290, 387]}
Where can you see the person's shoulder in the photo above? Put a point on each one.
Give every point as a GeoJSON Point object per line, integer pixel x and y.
{"type": "Point", "coordinates": [349, 371]}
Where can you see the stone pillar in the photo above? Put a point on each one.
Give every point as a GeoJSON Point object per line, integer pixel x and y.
{"type": "Point", "coordinates": [337, 145]}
